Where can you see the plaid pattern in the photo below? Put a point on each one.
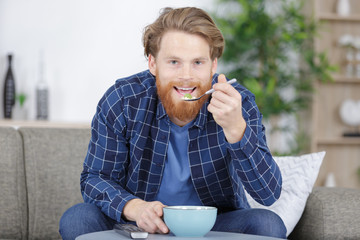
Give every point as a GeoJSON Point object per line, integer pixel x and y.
{"type": "Point", "coordinates": [127, 152]}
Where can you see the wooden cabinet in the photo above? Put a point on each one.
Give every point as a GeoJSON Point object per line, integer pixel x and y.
{"type": "Point", "coordinates": [343, 153]}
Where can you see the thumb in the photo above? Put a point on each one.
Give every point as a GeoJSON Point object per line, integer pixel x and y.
{"type": "Point", "coordinates": [221, 78]}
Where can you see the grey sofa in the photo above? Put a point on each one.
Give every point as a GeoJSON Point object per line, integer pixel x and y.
{"type": "Point", "coordinates": [39, 178]}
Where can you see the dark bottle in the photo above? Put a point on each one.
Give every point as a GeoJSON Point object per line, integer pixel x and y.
{"type": "Point", "coordinates": [9, 91]}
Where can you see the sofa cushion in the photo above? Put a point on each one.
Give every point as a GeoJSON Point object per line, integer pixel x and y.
{"type": "Point", "coordinates": [53, 162]}
{"type": "Point", "coordinates": [13, 212]}
{"type": "Point", "coordinates": [298, 174]}
{"type": "Point", "coordinates": [330, 213]}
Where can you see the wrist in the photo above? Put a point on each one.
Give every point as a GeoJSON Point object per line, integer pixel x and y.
{"type": "Point", "coordinates": [130, 209]}
{"type": "Point", "coordinates": [235, 134]}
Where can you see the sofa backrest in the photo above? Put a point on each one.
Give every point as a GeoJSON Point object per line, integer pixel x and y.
{"type": "Point", "coordinates": [13, 212]}
{"type": "Point", "coordinates": [53, 163]}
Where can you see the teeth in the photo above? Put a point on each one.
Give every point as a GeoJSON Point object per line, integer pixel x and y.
{"type": "Point", "coordinates": [186, 89]}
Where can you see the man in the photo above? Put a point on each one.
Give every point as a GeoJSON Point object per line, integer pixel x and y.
{"type": "Point", "coordinates": [150, 148]}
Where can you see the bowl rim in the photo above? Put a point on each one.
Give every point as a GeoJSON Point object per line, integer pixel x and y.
{"type": "Point", "coordinates": [185, 207]}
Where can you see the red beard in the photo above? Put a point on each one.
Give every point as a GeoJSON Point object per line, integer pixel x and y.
{"type": "Point", "coordinates": [178, 108]}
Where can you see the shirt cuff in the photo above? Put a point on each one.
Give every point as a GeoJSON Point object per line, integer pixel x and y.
{"type": "Point", "coordinates": [248, 142]}
{"type": "Point", "coordinates": [117, 206]}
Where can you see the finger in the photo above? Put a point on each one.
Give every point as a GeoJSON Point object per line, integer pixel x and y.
{"type": "Point", "coordinates": [147, 223]}
{"type": "Point", "coordinates": [221, 78]}
{"type": "Point", "coordinates": [153, 224]}
{"type": "Point", "coordinates": [146, 226]}
{"type": "Point", "coordinates": [226, 88]}
{"type": "Point", "coordinates": [158, 208]}
{"type": "Point", "coordinates": [152, 218]}
{"type": "Point", "coordinates": [221, 112]}
{"type": "Point", "coordinates": [225, 102]}
{"type": "Point", "coordinates": [161, 226]}
{"type": "Point", "coordinates": [224, 105]}
{"type": "Point", "coordinates": [221, 97]}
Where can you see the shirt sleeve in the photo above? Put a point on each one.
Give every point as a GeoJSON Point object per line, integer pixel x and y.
{"type": "Point", "coordinates": [251, 159]}
{"type": "Point", "coordinates": [103, 177]}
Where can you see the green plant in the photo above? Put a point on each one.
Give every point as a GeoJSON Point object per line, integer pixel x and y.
{"type": "Point", "coordinates": [271, 53]}
{"type": "Point", "coordinates": [21, 97]}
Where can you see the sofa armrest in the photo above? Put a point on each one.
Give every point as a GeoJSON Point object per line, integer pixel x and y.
{"type": "Point", "coordinates": [330, 213]}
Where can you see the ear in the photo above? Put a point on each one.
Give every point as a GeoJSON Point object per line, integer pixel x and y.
{"type": "Point", "coordinates": [214, 66]}
{"type": "Point", "coordinates": [152, 64]}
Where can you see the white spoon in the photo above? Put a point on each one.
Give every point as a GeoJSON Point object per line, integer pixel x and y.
{"type": "Point", "coordinates": [208, 92]}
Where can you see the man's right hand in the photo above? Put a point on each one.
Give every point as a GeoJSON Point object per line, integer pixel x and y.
{"type": "Point", "coordinates": [147, 215]}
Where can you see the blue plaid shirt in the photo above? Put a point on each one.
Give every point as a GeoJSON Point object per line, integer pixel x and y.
{"type": "Point", "coordinates": [127, 151]}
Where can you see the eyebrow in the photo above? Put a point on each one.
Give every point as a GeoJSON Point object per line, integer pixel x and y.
{"type": "Point", "coordinates": [195, 59]}
{"type": "Point", "coordinates": [201, 59]}
{"type": "Point", "coordinates": [172, 57]}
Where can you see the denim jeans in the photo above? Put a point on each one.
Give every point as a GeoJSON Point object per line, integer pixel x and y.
{"type": "Point", "coordinates": [86, 218]}
{"type": "Point", "coordinates": [251, 221]}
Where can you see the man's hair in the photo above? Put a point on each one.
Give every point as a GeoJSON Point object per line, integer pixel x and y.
{"type": "Point", "coordinates": [189, 20]}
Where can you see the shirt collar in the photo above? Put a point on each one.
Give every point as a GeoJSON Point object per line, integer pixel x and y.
{"type": "Point", "coordinates": [160, 113]}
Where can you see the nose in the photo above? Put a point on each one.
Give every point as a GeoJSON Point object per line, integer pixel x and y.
{"type": "Point", "coordinates": [186, 72]}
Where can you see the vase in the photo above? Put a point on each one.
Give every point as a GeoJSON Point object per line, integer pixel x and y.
{"type": "Point", "coordinates": [357, 58]}
{"type": "Point", "coordinates": [350, 57]}
{"type": "Point", "coordinates": [330, 180]}
{"type": "Point", "coordinates": [343, 7]}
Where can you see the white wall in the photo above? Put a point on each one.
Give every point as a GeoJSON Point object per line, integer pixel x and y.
{"type": "Point", "coordinates": [87, 44]}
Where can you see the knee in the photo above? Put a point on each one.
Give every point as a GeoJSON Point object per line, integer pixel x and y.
{"type": "Point", "coordinates": [80, 219]}
{"type": "Point", "coordinates": [78, 214]}
{"type": "Point", "coordinates": [270, 225]}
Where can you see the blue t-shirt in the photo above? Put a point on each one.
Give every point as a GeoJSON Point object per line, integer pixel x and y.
{"type": "Point", "coordinates": [176, 186]}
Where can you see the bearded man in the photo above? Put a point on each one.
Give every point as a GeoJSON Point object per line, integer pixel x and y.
{"type": "Point", "coordinates": [150, 148]}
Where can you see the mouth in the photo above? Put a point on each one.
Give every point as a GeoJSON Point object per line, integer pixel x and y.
{"type": "Point", "coordinates": [182, 90]}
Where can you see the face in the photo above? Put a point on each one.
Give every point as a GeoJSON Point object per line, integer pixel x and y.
{"type": "Point", "coordinates": [182, 65]}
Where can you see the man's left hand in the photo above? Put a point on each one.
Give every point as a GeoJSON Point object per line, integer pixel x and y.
{"type": "Point", "coordinates": [226, 108]}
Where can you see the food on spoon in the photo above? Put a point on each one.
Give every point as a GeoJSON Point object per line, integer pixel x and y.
{"type": "Point", "coordinates": [187, 96]}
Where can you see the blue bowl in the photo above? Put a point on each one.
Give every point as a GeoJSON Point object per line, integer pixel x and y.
{"type": "Point", "coordinates": [190, 221]}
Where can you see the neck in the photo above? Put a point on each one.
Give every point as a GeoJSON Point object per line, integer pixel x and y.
{"type": "Point", "coordinates": [180, 123]}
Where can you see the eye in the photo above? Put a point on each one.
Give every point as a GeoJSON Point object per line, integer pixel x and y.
{"type": "Point", "coordinates": [173, 62]}
{"type": "Point", "coordinates": [198, 62]}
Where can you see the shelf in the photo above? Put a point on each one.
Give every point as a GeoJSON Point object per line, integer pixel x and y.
{"type": "Point", "coordinates": [327, 126]}
{"type": "Point", "coordinates": [342, 79]}
{"type": "Point", "coordinates": [48, 124]}
{"type": "Point", "coordinates": [339, 141]}
{"type": "Point", "coordinates": [335, 17]}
